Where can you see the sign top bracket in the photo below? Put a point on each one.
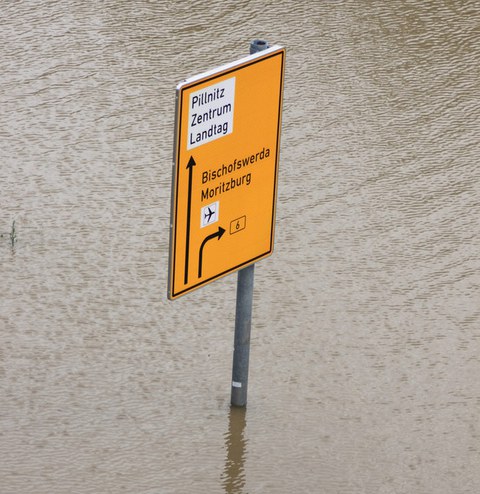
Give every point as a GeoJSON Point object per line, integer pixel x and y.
{"type": "Point", "coordinates": [231, 65]}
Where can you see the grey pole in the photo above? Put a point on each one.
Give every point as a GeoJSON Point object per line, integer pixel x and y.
{"type": "Point", "coordinates": [243, 315]}
{"type": "Point", "coordinates": [258, 45]}
{"type": "Point", "coordinates": [243, 324]}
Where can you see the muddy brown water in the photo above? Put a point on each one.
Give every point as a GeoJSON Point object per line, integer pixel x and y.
{"type": "Point", "coordinates": [366, 334]}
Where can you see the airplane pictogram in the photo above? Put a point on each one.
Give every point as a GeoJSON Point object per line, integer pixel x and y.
{"type": "Point", "coordinates": [209, 214]}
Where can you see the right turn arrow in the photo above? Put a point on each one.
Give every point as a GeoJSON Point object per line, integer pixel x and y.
{"type": "Point", "coordinates": [218, 234]}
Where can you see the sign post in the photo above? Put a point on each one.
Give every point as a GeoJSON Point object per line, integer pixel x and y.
{"type": "Point", "coordinates": [225, 172]}
{"type": "Point", "coordinates": [243, 313]}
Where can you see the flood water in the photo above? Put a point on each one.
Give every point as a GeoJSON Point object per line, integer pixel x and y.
{"type": "Point", "coordinates": [365, 351]}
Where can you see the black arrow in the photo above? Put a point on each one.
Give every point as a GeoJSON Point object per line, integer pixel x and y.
{"type": "Point", "coordinates": [190, 165]}
{"type": "Point", "coordinates": [218, 234]}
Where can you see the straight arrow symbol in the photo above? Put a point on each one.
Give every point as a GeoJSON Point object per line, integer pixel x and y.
{"type": "Point", "coordinates": [190, 165]}
{"type": "Point", "coordinates": [218, 234]}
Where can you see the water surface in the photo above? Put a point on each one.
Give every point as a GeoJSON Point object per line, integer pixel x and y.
{"type": "Point", "coordinates": [366, 339]}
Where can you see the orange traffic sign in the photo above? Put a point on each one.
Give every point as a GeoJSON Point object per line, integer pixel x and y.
{"type": "Point", "coordinates": [224, 185]}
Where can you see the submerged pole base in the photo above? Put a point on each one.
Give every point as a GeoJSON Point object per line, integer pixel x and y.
{"type": "Point", "coordinates": [243, 324]}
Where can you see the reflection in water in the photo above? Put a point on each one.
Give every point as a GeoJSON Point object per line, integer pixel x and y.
{"type": "Point", "coordinates": [233, 478]}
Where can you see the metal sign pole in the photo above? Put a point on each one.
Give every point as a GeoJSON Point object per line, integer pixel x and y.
{"type": "Point", "coordinates": [243, 314]}
{"type": "Point", "coordinates": [243, 324]}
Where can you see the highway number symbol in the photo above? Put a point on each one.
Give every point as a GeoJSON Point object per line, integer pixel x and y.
{"type": "Point", "coordinates": [238, 224]}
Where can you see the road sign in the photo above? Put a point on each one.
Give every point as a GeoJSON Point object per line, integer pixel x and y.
{"type": "Point", "coordinates": [224, 186]}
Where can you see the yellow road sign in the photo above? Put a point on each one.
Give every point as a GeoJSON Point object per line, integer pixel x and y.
{"type": "Point", "coordinates": [224, 186]}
